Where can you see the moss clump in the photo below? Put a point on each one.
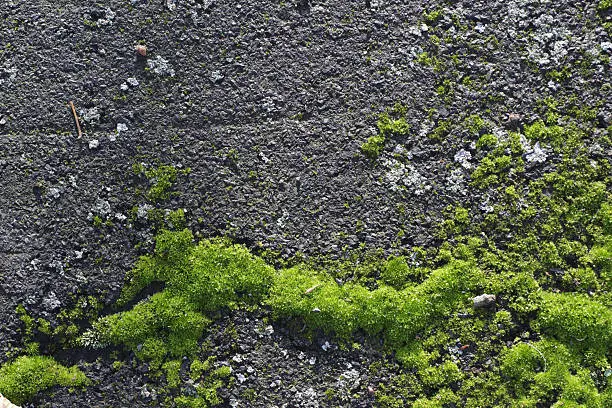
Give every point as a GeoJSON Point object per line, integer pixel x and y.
{"type": "Point", "coordinates": [491, 170]}
{"type": "Point", "coordinates": [389, 126]}
{"type": "Point", "coordinates": [433, 16]}
{"type": "Point", "coordinates": [575, 319]}
{"type": "Point", "coordinates": [162, 326]}
{"type": "Point", "coordinates": [204, 278]}
{"type": "Point", "coordinates": [604, 5]}
{"type": "Point", "coordinates": [442, 129]}
{"type": "Point", "coordinates": [392, 122]}
{"type": "Point", "coordinates": [396, 314]}
{"type": "Point", "coordinates": [198, 279]}
{"type": "Point", "coordinates": [396, 273]}
{"type": "Point", "coordinates": [161, 179]}
{"type": "Point", "coordinates": [206, 385]}
{"type": "Point", "coordinates": [21, 379]}
{"type": "Point", "coordinates": [487, 140]}
{"type": "Point", "coordinates": [374, 146]}
{"type": "Point", "coordinates": [475, 124]}
{"type": "Point", "coordinates": [547, 373]}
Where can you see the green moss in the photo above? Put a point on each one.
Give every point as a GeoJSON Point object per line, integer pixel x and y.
{"type": "Point", "coordinates": [474, 124]}
{"type": "Point", "coordinates": [398, 315]}
{"type": "Point", "coordinates": [198, 367]}
{"type": "Point", "coordinates": [538, 131]}
{"type": "Point", "coordinates": [28, 322]}
{"type": "Point", "coordinates": [432, 61]}
{"type": "Point", "coordinates": [172, 369]}
{"type": "Point", "coordinates": [487, 140]}
{"type": "Point", "coordinates": [44, 326]}
{"type": "Point", "coordinates": [164, 325]}
{"type": "Point", "coordinates": [560, 75]}
{"type": "Point", "coordinates": [222, 372]}
{"type": "Point", "coordinates": [389, 126]}
{"type": "Point", "coordinates": [491, 170]}
{"type": "Point", "coordinates": [577, 320]}
{"type": "Point", "coordinates": [206, 387]}
{"type": "Point", "coordinates": [548, 373]}
{"type": "Point", "coordinates": [390, 123]}
{"type": "Point", "coordinates": [444, 398]}
{"type": "Point", "coordinates": [21, 379]}
{"type": "Point", "coordinates": [441, 130]}
{"type": "Point", "coordinates": [444, 374]}
{"type": "Point", "coordinates": [396, 273]}
{"type": "Point", "coordinates": [199, 278]}
{"type": "Point", "coordinates": [374, 146]}
{"type": "Point", "coordinates": [413, 356]}
{"type": "Point", "coordinates": [433, 16]}
{"type": "Point", "coordinates": [161, 179]}
{"type": "Point", "coordinates": [604, 5]}
{"type": "Point", "coordinates": [97, 221]}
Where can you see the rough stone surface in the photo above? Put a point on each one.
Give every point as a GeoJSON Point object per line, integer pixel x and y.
{"type": "Point", "coordinates": [267, 104]}
{"type": "Point", "coordinates": [482, 301]}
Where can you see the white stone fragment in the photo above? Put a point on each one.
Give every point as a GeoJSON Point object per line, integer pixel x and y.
{"type": "Point", "coordinates": [484, 300]}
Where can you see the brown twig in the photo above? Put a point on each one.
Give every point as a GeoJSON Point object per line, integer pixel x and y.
{"type": "Point", "coordinates": [76, 119]}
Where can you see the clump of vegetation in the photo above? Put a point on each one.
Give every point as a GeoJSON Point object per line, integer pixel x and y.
{"type": "Point", "coordinates": [392, 122]}
{"type": "Point", "coordinates": [198, 279]}
{"type": "Point", "coordinates": [433, 16]}
{"type": "Point", "coordinates": [604, 5]}
{"type": "Point", "coordinates": [204, 278]}
{"type": "Point", "coordinates": [161, 179]}
{"type": "Point", "coordinates": [21, 379]}
{"type": "Point", "coordinates": [374, 146]}
{"type": "Point", "coordinates": [441, 130]}
{"type": "Point", "coordinates": [207, 395]}
{"type": "Point", "coordinates": [539, 372]}
{"type": "Point", "coordinates": [475, 124]}
{"type": "Point", "coordinates": [429, 60]}
{"type": "Point", "coordinates": [398, 274]}
{"type": "Point", "coordinates": [487, 140]}
{"type": "Point", "coordinates": [396, 315]}
{"type": "Point", "coordinates": [577, 320]}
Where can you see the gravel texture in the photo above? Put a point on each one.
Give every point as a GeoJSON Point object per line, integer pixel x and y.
{"type": "Point", "coordinates": [267, 104]}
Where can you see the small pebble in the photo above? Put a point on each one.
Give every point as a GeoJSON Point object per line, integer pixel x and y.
{"type": "Point", "coordinates": [141, 50]}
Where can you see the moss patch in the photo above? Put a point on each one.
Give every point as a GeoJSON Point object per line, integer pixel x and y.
{"type": "Point", "coordinates": [543, 249]}
{"type": "Point", "coordinates": [21, 379]}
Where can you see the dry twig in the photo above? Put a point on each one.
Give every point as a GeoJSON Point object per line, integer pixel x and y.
{"type": "Point", "coordinates": [76, 119]}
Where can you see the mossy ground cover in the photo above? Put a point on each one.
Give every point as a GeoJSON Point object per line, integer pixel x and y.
{"type": "Point", "coordinates": [21, 379]}
{"type": "Point", "coordinates": [535, 234]}
{"type": "Point", "coordinates": [544, 251]}
{"type": "Point", "coordinates": [547, 260]}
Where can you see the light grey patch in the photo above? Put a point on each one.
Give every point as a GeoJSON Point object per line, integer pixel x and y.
{"type": "Point", "coordinates": [463, 158]}
{"type": "Point", "coordinates": [161, 67]}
